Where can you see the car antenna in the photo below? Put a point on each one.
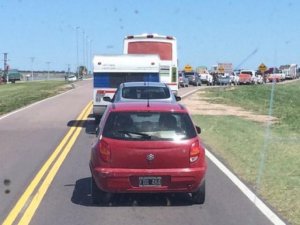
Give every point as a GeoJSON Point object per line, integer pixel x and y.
{"type": "Point", "coordinates": [148, 103]}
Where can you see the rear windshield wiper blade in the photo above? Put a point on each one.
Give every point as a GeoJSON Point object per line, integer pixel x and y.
{"type": "Point", "coordinates": [145, 136]}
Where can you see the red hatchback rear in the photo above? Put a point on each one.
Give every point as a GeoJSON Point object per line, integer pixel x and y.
{"type": "Point", "coordinates": [147, 147]}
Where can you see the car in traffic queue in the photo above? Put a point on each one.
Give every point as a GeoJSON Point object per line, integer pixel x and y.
{"type": "Point", "coordinates": [206, 78]}
{"type": "Point", "coordinates": [194, 78]}
{"type": "Point", "coordinates": [250, 77]}
{"type": "Point", "coordinates": [71, 78]}
{"type": "Point", "coordinates": [183, 81]}
{"type": "Point", "coordinates": [274, 75]}
{"type": "Point", "coordinates": [141, 91]}
{"type": "Point", "coordinates": [222, 79]}
{"type": "Point", "coordinates": [147, 147]}
{"type": "Point", "coordinates": [234, 78]}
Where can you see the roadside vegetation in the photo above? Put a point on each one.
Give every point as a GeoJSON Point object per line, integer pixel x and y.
{"type": "Point", "coordinates": [14, 96]}
{"type": "Point", "coordinates": [265, 155]}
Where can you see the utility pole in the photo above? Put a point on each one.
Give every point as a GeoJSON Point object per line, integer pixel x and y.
{"type": "Point", "coordinates": [48, 70]}
{"type": "Point", "coordinates": [91, 54]}
{"type": "Point", "coordinates": [77, 59]}
{"type": "Point", "coordinates": [5, 69]}
{"type": "Point", "coordinates": [87, 53]}
{"type": "Point", "coordinates": [68, 70]}
{"type": "Point", "coordinates": [32, 59]}
{"type": "Point", "coordinates": [83, 47]}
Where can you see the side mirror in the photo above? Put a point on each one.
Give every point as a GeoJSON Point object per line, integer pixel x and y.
{"type": "Point", "coordinates": [178, 98]}
{"type": "Point", "coordinates": [107, 99]}
{"type": "Point", "coordinates": [198, 129]}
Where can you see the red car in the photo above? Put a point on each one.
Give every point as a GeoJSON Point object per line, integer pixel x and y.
{"type": "Point", "coordinates": [245, 78]}
{"type": "Point", "coordinates": [147, 147]}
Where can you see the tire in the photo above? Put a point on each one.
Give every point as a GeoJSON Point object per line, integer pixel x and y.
{"type": "Point", "coordinates": [99, 196]}
{"type": "Point", "coordinates": [97, 119]}
{"type": "Point", "coordinates": [198, 197]}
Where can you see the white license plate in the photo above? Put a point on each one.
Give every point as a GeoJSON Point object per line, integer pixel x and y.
{"type": "Point", "coordinates": [149, 181]}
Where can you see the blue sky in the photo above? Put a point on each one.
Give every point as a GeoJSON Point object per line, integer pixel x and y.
{"type": "Point", "coordinates": [243, 32]}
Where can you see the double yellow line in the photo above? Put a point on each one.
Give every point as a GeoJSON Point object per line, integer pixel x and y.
{"type": "Point", "coordinates": [55, 160]}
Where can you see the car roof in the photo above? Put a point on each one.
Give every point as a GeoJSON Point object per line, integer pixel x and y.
{"type": "Point", "coordinates": [146, 83]}
{"type": "Point", "coordinates": [147, 106]}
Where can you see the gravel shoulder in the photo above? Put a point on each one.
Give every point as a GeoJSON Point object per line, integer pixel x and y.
{"type": "Point", "coordinates": [197, 103]}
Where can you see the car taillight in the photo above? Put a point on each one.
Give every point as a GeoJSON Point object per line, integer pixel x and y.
{"type": "Point", "coordinates": [104, 151]}
{"type": "Point", "coordinates": [195, 151]}
{"type": "Point", "coordinates": [99, 95]}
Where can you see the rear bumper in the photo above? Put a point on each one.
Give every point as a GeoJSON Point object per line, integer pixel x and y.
{"type": "Point", "coordinates": [194, 82]}
{"type": "Point", "coordinates": [118, 180]}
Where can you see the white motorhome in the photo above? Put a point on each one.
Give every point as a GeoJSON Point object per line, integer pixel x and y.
{"type": "Point", "coordinates": [112, 70]}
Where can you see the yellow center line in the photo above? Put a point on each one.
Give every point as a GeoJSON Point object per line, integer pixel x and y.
{"type": "Point", "coordinates": [32, 186]}
{"type": "Point", "coordinates": [27, 216]}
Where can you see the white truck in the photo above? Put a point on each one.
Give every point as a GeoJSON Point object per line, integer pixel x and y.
{"type": "Point", "coordinates": [205, 76]}
{"type": "Point", "coordinates": [290, 71]}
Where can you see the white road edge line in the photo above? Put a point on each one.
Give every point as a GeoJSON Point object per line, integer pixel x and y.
{"type": "Point", "coordinates": [252, 197]}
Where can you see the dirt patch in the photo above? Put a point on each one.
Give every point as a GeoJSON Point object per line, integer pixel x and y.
{"type": "Point", "coordinates": [197, 104]}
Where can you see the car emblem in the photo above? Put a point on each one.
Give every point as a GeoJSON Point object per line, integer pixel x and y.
{"type": "Point", "coordinates": [150, 157]}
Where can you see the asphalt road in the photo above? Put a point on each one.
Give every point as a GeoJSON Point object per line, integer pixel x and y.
{"type": "Point", "coordinates": [28, 138]}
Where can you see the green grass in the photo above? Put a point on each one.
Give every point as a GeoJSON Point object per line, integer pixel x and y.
{"type": "Point", "coordinates": [286, 101]}
{"type": "Point", "coordinates": [241, 143]}
{"type": "Point", "coordinates": [20, 94]}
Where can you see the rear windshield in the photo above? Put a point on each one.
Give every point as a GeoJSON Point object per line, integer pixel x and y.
{"type": "Point", "coordinates": [145, 92]}
{"type": "Point", "coordinates": [164, 49]}
{"type": "Point", "coordinates": [247, 72]}
{"type": "Point", "coordinates": [150, 126]}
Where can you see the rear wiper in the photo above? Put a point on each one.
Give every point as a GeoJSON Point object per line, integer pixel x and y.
{"type": "Point", "coordinates": [145, 136]}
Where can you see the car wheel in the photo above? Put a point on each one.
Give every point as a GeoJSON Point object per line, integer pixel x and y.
{"type": "Point", "coordinates": [99, 196]}
{"type": "Point", "coordinates": [198, 197]}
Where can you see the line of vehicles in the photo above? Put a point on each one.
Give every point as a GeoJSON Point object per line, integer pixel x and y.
{"type": "Point", "coordinates": [147, 142]}
{"type": "Point", "coordinates": [224, 74]}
